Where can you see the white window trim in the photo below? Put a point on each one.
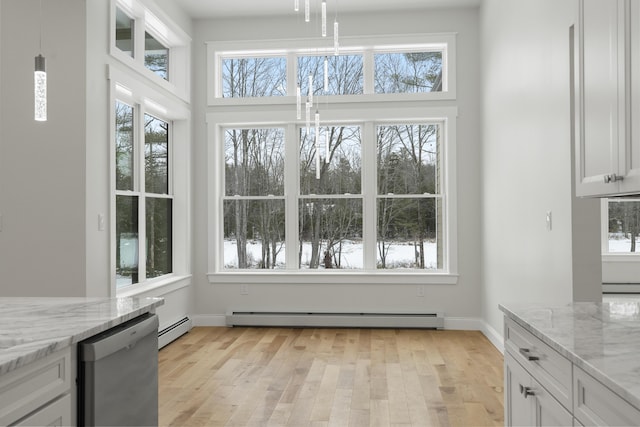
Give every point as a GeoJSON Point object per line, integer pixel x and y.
{"type": "Point", "coordinates": [217, 120]}
{"type": "Point", "coordinates": [137, 92]}
{"type": "Point", "coordinates": [366, 45]}
{"type": "Point", "coordinates": [166, 31]}
{"type": "Point", "coordinates": [620, 271]}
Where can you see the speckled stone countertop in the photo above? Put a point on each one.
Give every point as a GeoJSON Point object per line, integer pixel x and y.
{"type": "Point", "coordinates": [601, 338]}
{"type": "Point", "coordinates": [32, 328]}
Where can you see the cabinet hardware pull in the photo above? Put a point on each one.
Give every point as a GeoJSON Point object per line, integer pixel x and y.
{"type": "Point", "coordinates": [526, 353]}
{"type": "Point", "coordinates": [612, 178]}
{"type": "Point", "coordinates": [528, 391]}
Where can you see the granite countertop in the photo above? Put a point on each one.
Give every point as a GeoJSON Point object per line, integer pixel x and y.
{"type": "Point", "coordinates": [32, 328]}
{"type": "Point", "coordinates": [601, 338]}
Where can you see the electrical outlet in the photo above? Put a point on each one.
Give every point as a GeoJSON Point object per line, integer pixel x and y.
{"type": "Point", "coordinates": [244, 289]}
{"type": "Point", "coordinates": [549, 222]}
{"type": "Point", "coordinates": [421, 290]}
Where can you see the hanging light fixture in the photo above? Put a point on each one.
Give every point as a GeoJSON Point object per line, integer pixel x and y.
{"type": "Point", "coordinates": [326, 75]}
{"type": "Point", "coordinates": [324, 18]}
{"type": "Point", "coordinates": [317, 141]}
{"type": "Point", "coordinates": [296, 5]}
{"type": "Point", "coordinates": [298, 103]}
{"type": "Point", "coordinates": [307, 11]}
{"type": "Point", "coordinates": [336, 43]}
{"type": "Point", "coordinates": [40, 82]}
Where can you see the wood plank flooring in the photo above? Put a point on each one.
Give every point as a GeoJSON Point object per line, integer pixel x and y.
{"type": "Point", "coordinates": [330, 377]}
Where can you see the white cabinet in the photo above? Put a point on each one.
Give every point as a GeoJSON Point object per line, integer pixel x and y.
{"type": "Point", "coordinates": [544, 388]}
{"type": "Point", "coordinates": [527, 403]}
{"type": "Point", "coordinates": [532, 371]}
{"type": "Point", "coordinates": [607, 98]}
{"type": "Point", "coordinates": [38, 393]}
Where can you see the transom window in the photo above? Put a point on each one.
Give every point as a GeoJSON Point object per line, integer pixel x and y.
{"type": "Point", "coordinates": [376, 66]}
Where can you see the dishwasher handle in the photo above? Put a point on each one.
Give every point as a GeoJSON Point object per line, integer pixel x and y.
{"type": "Point", "coordinates": [118, 338]}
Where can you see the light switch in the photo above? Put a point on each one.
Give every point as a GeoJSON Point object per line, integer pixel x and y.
{"type": "Point", "coordinates": [549, 224]}
{"type": "Point", "coordinates": [101, 225]}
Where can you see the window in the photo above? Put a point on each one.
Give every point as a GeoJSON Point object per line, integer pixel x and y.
{"type": "Point", "coordinates": [623, 224]}
{"type": "Point", "coordinates": [368, 189]}
{"type": "Point", "coordinates": [254, 203]}
{"type": "Point", "coordinates": [156, 56]}
{"type": "Point", "coordinates": [155, 48]}
{"type": "Point", "coordinates": [408, 72]}
{"type": "Point", "coordinates": [381, 66]}
{"type": "Point", "coordinates": [254, 77]}
{"type": "Point", "coordinates": [144, 204]}
{"type": "Point", "coordinates": [409, 212]}
{"type": "Point", "coordinates": [344, 74]}
{"type": "Point", "coordinates": [124, 32]}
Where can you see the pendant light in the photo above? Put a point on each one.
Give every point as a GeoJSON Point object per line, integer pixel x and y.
{"type": "Point", "coordinates": [40, 82]}
{"type": "Point", "coordinates": [317, 140]}
{"type": "Point", "coordinates": [296, 5]}
{"type": "Point", "coordinates": [324, 18]}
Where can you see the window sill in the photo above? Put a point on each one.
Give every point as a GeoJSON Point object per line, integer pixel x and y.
{"type": "Point", "coordinates": [621, 257]}
{"type": "Point", "coordinates": [328, 278]}
{"type": "Point", "coordinates": [163, 285]}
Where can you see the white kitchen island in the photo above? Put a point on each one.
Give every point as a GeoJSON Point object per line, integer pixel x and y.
{"type": "Point", "coordinates": [38, 347]}
{"type": "Point", "coordinates": [575, 364]}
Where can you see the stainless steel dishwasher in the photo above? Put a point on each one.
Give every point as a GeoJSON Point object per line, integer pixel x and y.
{"type": "Point", "coordinates": [118, 375]}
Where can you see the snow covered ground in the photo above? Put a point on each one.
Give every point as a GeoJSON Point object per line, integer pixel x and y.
{"type": "Point", "coordinates": [621, 245]}
{"type": "Point", "coordinates": [400, 254]}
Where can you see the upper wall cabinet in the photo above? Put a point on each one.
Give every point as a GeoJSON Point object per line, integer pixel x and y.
{"type": "Point", "coordinates": [607, 98]}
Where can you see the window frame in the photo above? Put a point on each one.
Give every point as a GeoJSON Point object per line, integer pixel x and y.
{"type": "Point", "coordinates": [620, 270]}
{"type": "Point", "coordinates": [147, 100]}
{"type": "Point", "coordinates": [152, 20]}
{"type": "Point", "coordinates": [366, 46]}
{"type": "Point", "coordinates": [368, 119]}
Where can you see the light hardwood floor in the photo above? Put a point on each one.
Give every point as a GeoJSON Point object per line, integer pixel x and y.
{"type": "Point", "coordinates": [330, 377]}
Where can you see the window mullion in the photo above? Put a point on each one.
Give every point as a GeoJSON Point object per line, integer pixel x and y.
{"type": "Point", "coordinates": [369, 191]}
{"type": "Point", "coordinates": [142, 203]}
{"type": "Point", "coordinates": [368, 70]}
{"type": "Point", "coordinates": [291, 192]}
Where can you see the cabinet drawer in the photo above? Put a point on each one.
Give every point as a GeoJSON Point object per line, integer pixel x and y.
{"type": "Point", "coordinates": [547, 366]}
{"type": "Point", "coordinates": [595, 404]}
{"type": "Point", "coordinates": [31, 387]}
{"type": "Point", "coordinates": [55, 414]}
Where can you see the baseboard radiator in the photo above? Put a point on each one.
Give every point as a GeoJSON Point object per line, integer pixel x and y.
{"type": "Point", "coordinates": [174, 331]}
{"type": "Point", "coordinates": [432, 320]}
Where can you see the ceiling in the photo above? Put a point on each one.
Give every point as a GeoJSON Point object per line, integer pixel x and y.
{"type": "Point", "coordinates": [201, 9]}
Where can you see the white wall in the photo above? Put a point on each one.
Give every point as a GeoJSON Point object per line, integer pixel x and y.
{"type": "Point", "coordinates": [526, 155]}
{"type": "Point", "coordinates": [42, 243]}
{"type": "Point", "coordinates": [55, 175]}
{"type": "Point", "coordinates": [457, 301]}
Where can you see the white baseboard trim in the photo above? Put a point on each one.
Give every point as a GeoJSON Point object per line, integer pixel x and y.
{"type": "Point", "coordinates": [209, 319]}
{"type": "Point", "coordinates": [463, 324]}
{"type": "Point", "coordinates": [493, 336]}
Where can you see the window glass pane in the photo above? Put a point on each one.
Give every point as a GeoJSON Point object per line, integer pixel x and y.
{"type": "Point", "coordinates": [124, 32]}
{"type": "Point", "coordinates": [126, 240]}
{"type": "Point", "coordinates": [624, 226]}
{"type": "Point", "coordinates": [409, 233]}
{"type": "Point", "coordinates": [340, 160]}
{"type": "Point", "coordinates": [330, 233]}
{"type": "Point", "coordinates": [408, 159]}
{"type": "Point", "coordinates": [159, 243]}
{"type": "Point", "coordinates": [345, 74]}
{"type": "Point", "coordinates": [156, 155]}
{"type": "Point", "coordinates": [409, 72]}
{"type": "Point", "coordinates": [254, 162]}
{"type": "Point", "coordinates": [124, 147]}
{"type": "Point", "coordinates": [156, 56]}
{"type": "Point", "coordinates": [254, 234]}
{"type": "Point", "coordinates": [254, 77]}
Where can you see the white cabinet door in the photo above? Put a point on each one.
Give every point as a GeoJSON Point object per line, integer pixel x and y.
{"type": "Point", "coordinates": [600, 99]}
{"type": "Point", "coordinates": [518, 408]}
{"type": "Point", "coordinates": [549, 412]}
{"type": "Point", "coordinates": [631, 164]}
